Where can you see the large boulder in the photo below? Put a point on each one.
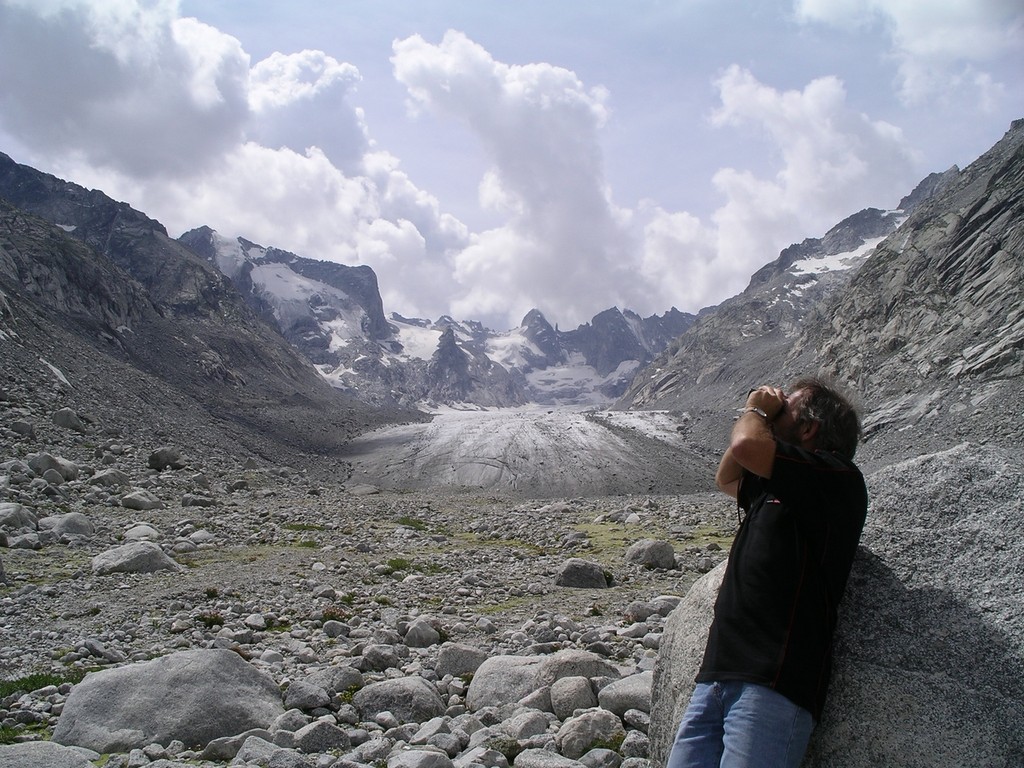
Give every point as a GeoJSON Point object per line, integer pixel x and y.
{"type": "Point", "coordinates": [134, 557]}
{"type": "Point", "coordinates": [503, 680]}
{"type": "Point", "coordinates": [572, 662]}
{"type": "Point", "coordinates": [191, 696]}
{"type": "Point", "coordinates": [652, 553]}
{"type": "Point", "coordinates": [43, 754]}
{"type": "Point", "coordinates": [410, 699]}
{"type": "Point", "coordinates": [582, 574]}
{"type": "Point", "coordinates": [16, 519]}
{"type": "Point", "coordinates": [929, 663]}
{"type": "Point", "coordinates": [68, 524]}
{"type": "Point", "coordinates": [633, 692]}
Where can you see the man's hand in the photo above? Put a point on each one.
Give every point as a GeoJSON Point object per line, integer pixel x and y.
{"type": "Point", "coordinates": [752, 446]}
{"type": "Point", "coordinates": [771, 400]}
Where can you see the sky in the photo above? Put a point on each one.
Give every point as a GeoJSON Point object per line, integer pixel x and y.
{"type": "Point", "coordinates": [487, 157]}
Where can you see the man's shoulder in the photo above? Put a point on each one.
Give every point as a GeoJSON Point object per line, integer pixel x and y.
{"type": "Point", "coordinates": [817, 460]}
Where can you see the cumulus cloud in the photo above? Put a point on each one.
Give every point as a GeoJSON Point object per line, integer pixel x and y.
{"type": "Point", "coordinates": [132, 88]}
{"type": "Point", "coordinates": [563, 248]}
{"type": "Point", "coordinates": [939, 45]}
{"type": "Point", "coordinates": [301, 100]}
{"type": "Point", "coordinates": [833, 161]}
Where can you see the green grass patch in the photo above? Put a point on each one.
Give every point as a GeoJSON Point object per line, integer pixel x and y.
{"type": "Point", "coordinates": [477, 541]}
{"type": "Point", "coordinates": [397, 564]}
{"type": "Point", "coordinates": [511, 603]}
{"type": "Point", "coordinates": [36, 681]}
{"type": "Point", "coordinates": [703, 535]}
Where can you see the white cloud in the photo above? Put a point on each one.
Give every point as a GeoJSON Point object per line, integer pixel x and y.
{"type": "Point", "coordinates": [832, 161]}
{"type": "Point", "coordinates": [280, 79]}
{"type": "Point", "coordinates": [938, 45]}
{"type": "Point", "coordinates": [128, 86]}
{"type": "Point", "coordinates": [563, 249]}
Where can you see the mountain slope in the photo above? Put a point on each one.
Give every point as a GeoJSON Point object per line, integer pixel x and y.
{"type": "Point", "coordinates": [334, 315]}
{"type": "Point", "coordinates": [931, 329]}
{"type": "Point", "coordinates": [117, 292]}
{"type": "Point", "coordinates": [926, 329]}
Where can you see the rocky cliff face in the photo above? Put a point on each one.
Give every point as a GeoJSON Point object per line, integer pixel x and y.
{"type": "Point", "coordinates": [92, 286]}
{"type": "Point", "coordinates": [334, 315]}
{"type": "Point", "coordinates": [914, 310]}
{"type": "Point", "coordinates": [931, 329]}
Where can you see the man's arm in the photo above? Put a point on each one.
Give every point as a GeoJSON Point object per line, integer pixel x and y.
{"type": "Point", "coordinates": [752, 446]}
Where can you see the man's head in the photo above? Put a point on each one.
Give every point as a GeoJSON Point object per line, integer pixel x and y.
{"type": "Point", "coordinates": [820, 417]}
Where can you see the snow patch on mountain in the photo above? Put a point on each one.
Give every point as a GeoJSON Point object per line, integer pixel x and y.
{"type": "Point", "coordinates": [835, 262]}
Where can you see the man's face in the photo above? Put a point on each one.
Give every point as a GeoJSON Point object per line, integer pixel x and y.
{"type": "Point", "coordinates": [785, 426]}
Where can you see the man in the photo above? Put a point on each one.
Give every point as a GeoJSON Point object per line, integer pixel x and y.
{"type": "Point", "coordinates": [761, 686]}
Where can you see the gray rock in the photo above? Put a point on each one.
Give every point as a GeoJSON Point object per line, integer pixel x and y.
{"type": "Point", "coordinates": [17, 519]}
{"type": "Point", "coordinates": [41, 462]}
{"type": "Point", "coordinates": [593, 728]}
{"type": "Point", "coordinates": [458, 660]}
{"type": "Point", "coordinates": [287, 758]}
{"type": "Point", "coordinates": [110, 478]}
{"type": "Point", "coordinates": [489, 758]}
{"type": "Point", "coordinates": [543, 758]}
{"type": "Point", "coordinates": [572, 662]}
{"type": "Point", "coordinates": [291, 720]}
{"type": "Point", "coordinates": [321, 736]}
{"type": "Point", "coordinates": [928, 649]}
{"type": "Point", "coordinates": [68, 419]}
{"type": "Point", "coordinates": [225, 748]}
{"type": "Point", "coordinates": [23, 428]}
{"type": "Point", "coordinates": [540, 699]}
{"type": "Point", "coordinates": [337, 678]}
{"type": "Point", "coordinates": [371, 751]}
{"type": "Point", "coordinates": [304, 695]}
{"type": "Point", "coordinates": [601, 758]}
{"type": "Point", "coordinates": [70, 524]}
{"type": "Point", "coordinates": [652, 553]}
{"type": "Point", "coordinates": [410, 699]}
{"type": "Point", "coordinates": [421, 633]}
{"type": "Point", "coordinates": [197, 500]}
{"type": "Point", "coordinates": [141, 500]}
{"type": "Point", "coordinates": [256, 749]}
{"type": "Point", "coordinates": [582, 574]}
{"type": "Point", "coordinates": [135, 557]}
{"type": "Point", "coordinates": [3, 576]}
{"type": "Point", "coordinates": [379, 657]}
{"type": "Point", "coordinates": [192, 696]}
{"type": "Point", "coordinates": [142, 532]}
{"type": "Point", "coordinates": [428, 730]}
{"type": "Point", "coordinates": [632, 692]}
{"type": "Point", "coordinates": [530, 722]}
{"type": "Point", "coordinates": [636, 744]}
{"type": "Point", "coordinates": [502, 680]}
{"type": "Point", "coordinates": [419, 758]}
{"type": "Point", "coordinates": [44, 754]}
{"type": "Point", "coordinates": [571, 693]}
{"type": "Point", "coordinates": [165, 457]}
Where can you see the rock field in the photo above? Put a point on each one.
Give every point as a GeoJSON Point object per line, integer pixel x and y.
{"type": "Point", "coordinates": [115, 553]}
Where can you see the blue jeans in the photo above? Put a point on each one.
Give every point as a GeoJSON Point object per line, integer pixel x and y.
{"type": "Point", "coordinates": [734, 724]}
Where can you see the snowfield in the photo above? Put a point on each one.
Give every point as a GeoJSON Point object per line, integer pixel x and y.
{"type": "Point", "coordinates": [536, 452]}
